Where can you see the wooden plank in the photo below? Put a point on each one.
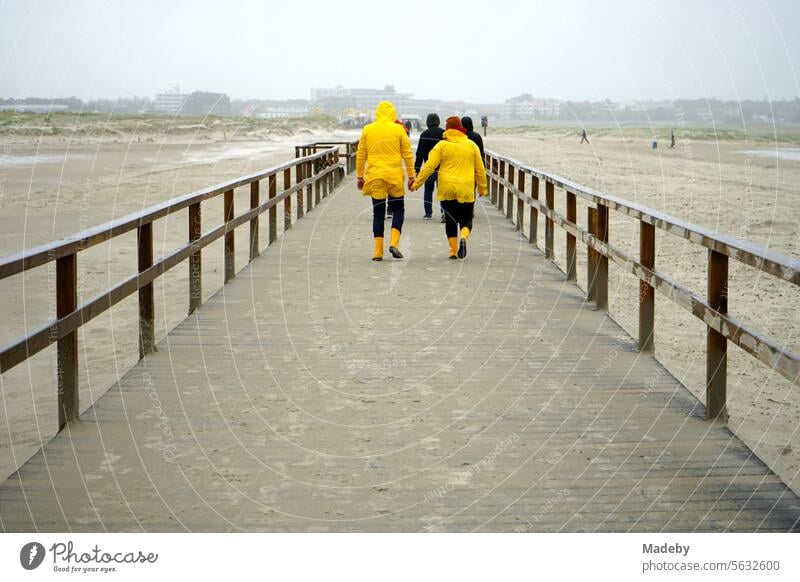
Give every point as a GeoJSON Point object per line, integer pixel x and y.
{"type": "Point", "coordinates": [716, 344]}
{"type": "Point", "coordinates": [533, 222]}
{"type": "Point", "coordinates": [618, 460]}
{"type": "Point", "coordinates": [501, 189]}
{"type": "Point", "coordinates": [254, 203]}
{"type": "Point", "coordinates": [591, 256]}
{"type": "Point", "coordinates": [287, 202]}
{"type": "Point", "coordinates": [549, 247]}
{"type": "Point", "coordinates": [510, 193]}
{"type": "Point", "coordinates": [67, 356]}
{"type": "Point", "coordinates": [147, 340]}
{"type": "Point", "coordinates": [299, 177]}
{"type": "Point", "coordinates": [647, 294]}
{"type": "Point", "coordinates": [230, 240]}
{"type": "Point", "coordinates": [601, 281]}
{"type": "Point", "coordinates": [493, 179]}
{"type": "Point", "coordinates": [521, 201]}
{"type": "Point", "coordinates": [572, 216]}
{"type": "Point", "coordinates": [195, 259]}
{"type": "Point", "coordinates": [41, 255]}
{"type": "Point", "coordinates": [273, 211]}
{"type": "Point", "coordinates": [767, 260]}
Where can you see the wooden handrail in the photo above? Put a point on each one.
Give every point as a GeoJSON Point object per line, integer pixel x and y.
{"type": "Point", "coordinates": [722, 327]}
{"type": "Point", "coordinates": [769, 261]}
{"type": "Point", "coordinates": [317, 172]}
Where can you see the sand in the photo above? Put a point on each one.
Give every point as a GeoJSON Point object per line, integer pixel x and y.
{"type": "Point", "coordinates": [52, 186]}
{"type": "Point", "coordinates": [80, 179]}
{"type": "Point", "coordinates": [733, 185]}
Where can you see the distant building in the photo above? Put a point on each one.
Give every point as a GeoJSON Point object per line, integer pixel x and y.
{"type": "Point", "coordinates": [202, 103]}
{"type": "Point", "coordinates": [197, 103]}
{"type": "Point", "coordinates": [34, 108]}
{"type": "Point", "coordinates": [170, 102]}
{"type": "Point", "coordinates": [526, 106]}
{"type": "Point", "coordinates": [337, 99]}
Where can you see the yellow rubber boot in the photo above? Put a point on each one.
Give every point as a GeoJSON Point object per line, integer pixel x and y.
{"type": "Point", "coordinates": [453, 242]}
{"type": "Point", "coordinates": [462, 246]}
{"type": "Point", "coordinates": [395, 242]}
{"type": "Point", "coordinates": [378, 255]}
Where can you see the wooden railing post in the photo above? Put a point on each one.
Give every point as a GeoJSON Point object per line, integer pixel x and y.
{"type": "Point", "coordinates": [533, 223]}
{"type": "Point", "coordinates": [309, 173]}
{"type": "Point", "coordinates": [67, 357]}
{"type": "Point", "coordinates": [318, 182]}
{"type": "Point", "coordinates": [501, 190]}
{"type": "Point", "coordinates": [147, 340]}
{"type": "Point", "coordinates": [287, 202]}
{"type": "Point", "coordinates": [230, 249]}
{"type": "Point", "coordinates": [572, 216]}
{"type": "Point", "coordinates": [336, 177]}
{"type": "Point", "coordinates": [549, 225]}
{"type": "Point", "coordinates": [647, 294]}
{"type": "Point", "coordinates": [510, 194]}
{"type": "Point", "coordinates": [591, 256]}
{"type": "Point", "coordinates": [273, 212]}
{"type": "Point", "coordinates": [521, 201]}
{"type": "Point", "coordinates": [601, 281]}
{"type": "Point", "coordinates": [716, 344]}
{"type": "Point", "coordinates": [299, 171]}
{"type": "Point", "coordinates": [493, 175]}
{"type": "Point", "coordinates": [254, 202]}
{"type": "Point", "coordinates": [195, 259]}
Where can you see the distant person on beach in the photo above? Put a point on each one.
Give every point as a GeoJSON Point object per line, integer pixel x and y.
{"type": "Point", "coordinates": [583, 136]}
{"type": "Point", "coordinates": [427, 139]}
{"type": "Point", "coordinates": [672, 140]}
{"type": "Point", "coordinates": [655, 144]}
{"type": "Point", "coordinates": [484, 124]}
{"type": "Point", "coordinates": [383, 150]}
{"type": "Point", "coordinates": [460, 168]}
{"type": "Point", "coordinates": [408, 128]}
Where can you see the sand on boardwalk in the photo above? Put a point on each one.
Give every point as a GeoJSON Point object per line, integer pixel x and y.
{"type": "Point", "coordinates": [53, 186]}
{"type": "Point", "coordinates": [745, 187]}
{"type": "Point", "coordinates": [83, 180]}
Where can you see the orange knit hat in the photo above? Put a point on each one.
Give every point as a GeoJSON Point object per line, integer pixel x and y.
{"type": "Point", "coordinates": [453, 123]}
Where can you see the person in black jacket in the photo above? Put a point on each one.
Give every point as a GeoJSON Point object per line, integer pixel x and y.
{"type": "Point", "coordinates": [473, 135]}
{"type": "Point", "coordinates": [427, 139]}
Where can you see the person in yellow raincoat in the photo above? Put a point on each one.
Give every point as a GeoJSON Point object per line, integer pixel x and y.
{"type": "Point", "coordinates": [383, 150]}
{"type": "Point", "coordinates": [460, 169]}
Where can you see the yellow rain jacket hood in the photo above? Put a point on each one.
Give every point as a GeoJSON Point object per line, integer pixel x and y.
{"type": "Point", "coordinates": [460, 168]}
{"type": "Point", "coordinates": [383, 150]}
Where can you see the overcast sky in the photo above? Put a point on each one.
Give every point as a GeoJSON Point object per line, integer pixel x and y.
{"type": "Point", "coordinates": [477, 51]}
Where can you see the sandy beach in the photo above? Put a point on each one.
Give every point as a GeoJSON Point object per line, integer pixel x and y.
{"type": "Point", "coordinates": [55, 184]}
{"type": "Point", "coordinates": [748, 188]}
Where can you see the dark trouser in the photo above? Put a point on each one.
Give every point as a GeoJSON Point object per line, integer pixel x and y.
{"type": "Point", "coordinates": [457, 215]}
{"type": "Point", "coordinates": [397, 209]}
{"type": "Point", "coordinates": [430, 184]}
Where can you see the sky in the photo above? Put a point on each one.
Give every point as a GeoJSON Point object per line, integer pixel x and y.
{"type": "Point", "coordinates": [475, 51]}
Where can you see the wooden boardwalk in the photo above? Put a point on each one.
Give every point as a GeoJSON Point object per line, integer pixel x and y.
{"type": "Point", "coordinates": [320, 391]}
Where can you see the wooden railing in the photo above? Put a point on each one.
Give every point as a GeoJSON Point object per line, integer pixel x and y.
{"type": "Point", "coordinates": [349, 153]}
{"type": "Point", "coordinates": [316, 175]}
{"type": "Point", "coordinates": [507, 179]}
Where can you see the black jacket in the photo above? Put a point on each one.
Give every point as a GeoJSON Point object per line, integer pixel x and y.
{"type": "Point", "coordinates": [476, 137]}
{"type": "Point", "coordinates": [427, 139]}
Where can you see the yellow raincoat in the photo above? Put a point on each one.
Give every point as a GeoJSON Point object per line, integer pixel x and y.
{"type": "Point", "coordinates": [460, 168]}
{"type": "Point", "coordinates": [384, 149]}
